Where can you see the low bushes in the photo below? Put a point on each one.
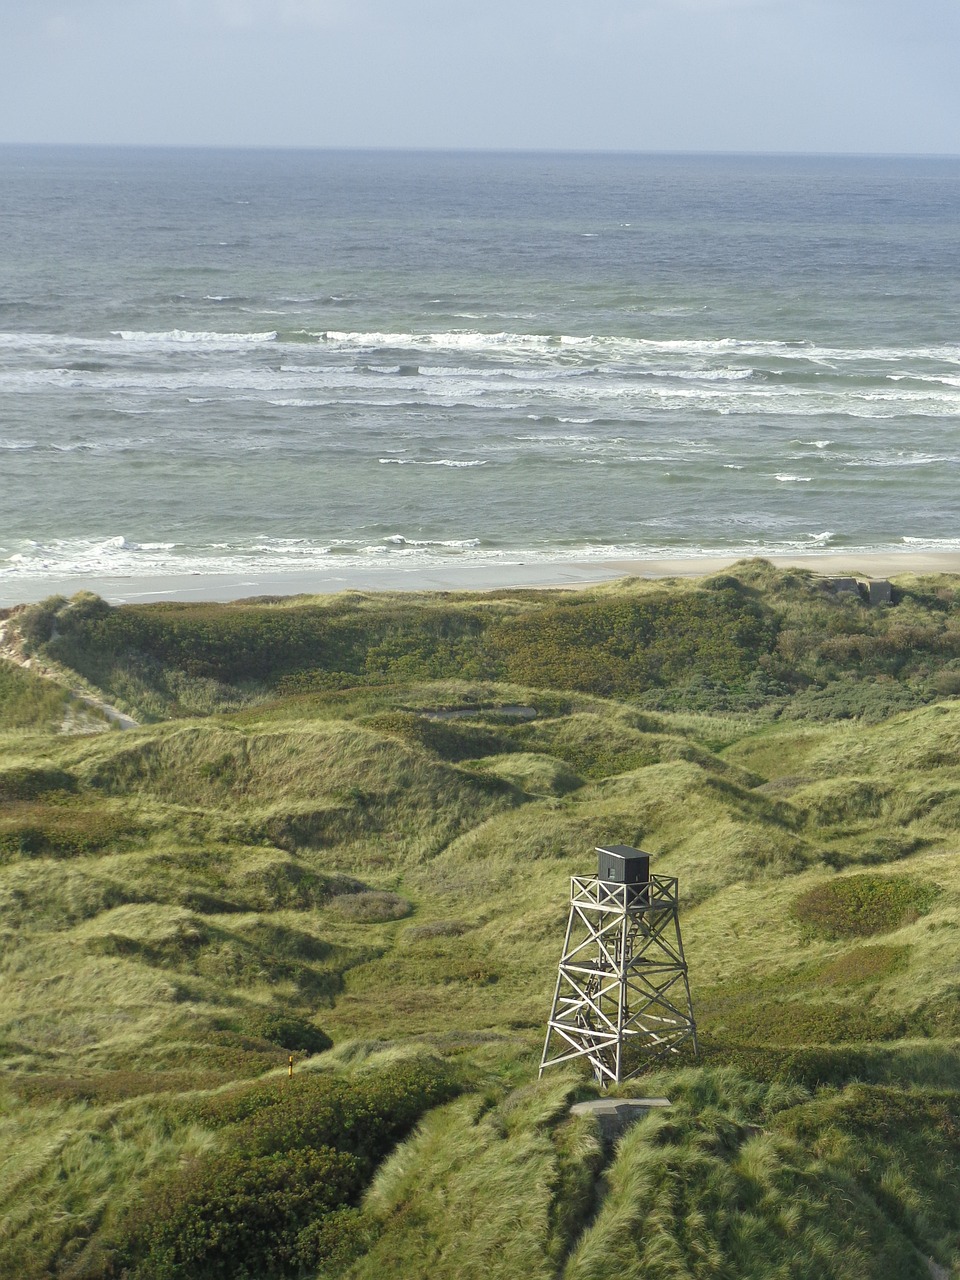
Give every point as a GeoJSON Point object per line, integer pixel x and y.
{"type": "Point", "coordinates": [27, 783]}
{"type": "Point", "coordinates": [812, 1067]}
{"type": "Point", "coordinates": [864, 964]}
{"type": "Point", "coordinates": [234, 1216]}
{"type": "Point", "coordinates": [110, 1087]}
{"type": "Point", "coordinates": [799, 1022]}
{"type": "Point", "coordinates": [629, 644]}
{"type": "Point", "coordinates": [857, 906]}
{"type": "Point", "coordinates": [279, 1194]}
{"type": "Point", "coordinates": [59, 829]}
{"type": "Point", "coordinates": [284, 1029]}
{"type": "Point", "coordinates": [869, 701]}
{"type": "Point", "coordinates": [372, 906]}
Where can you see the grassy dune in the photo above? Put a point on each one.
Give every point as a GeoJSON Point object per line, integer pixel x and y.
{"type": "Point", "coordinates": [344, 836]}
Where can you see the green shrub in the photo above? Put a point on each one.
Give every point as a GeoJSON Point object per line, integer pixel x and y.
{"type": "Point", "coordinates": [811, 1066]}
{"type": "Point", "coordinates": [28, 783]}
{"type": "Point", "coordinates": [110, 1087]}
{"type": "Point", "coordinates": [239, 1217]}
{"type": "Point", "coordinates": [373, 906]}
{"type": "Point", "coordinates": [316, 1107]}
{"type": "Point", "coordinates": [36, 622]}
{"type": "Point", "coordinates": [852, 699]}
{"type": "Point", "coordinates": [628, 644]}
{"type": "Point", "coordinates": [857, 906]}
{"type": "Point", "coordinates": [436, 929]}
{"type": "Point", "coordinates": [801, 1022]}
{"type": "Point", "coordinates": [335, 1240]}
{"type": "Point", "coordinates": [365, 1116]}
{"type": "Point", "coordinates": [296, 1152]}
{"type": "Point", "coordinates": [284, 1029]}
{"type": "Point", "coordinates": [59, 829]}
{"type": "Point", "coordinates": [864, 964]}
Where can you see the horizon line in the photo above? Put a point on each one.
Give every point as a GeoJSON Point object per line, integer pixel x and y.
{"type": "Point", "coordinates": [376, 149]}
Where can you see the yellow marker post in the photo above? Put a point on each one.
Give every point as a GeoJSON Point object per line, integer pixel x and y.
{"type": "Point", "coordinates": [290, 1072]}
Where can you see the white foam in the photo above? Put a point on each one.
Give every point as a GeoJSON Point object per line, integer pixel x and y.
{"type": "Point", "coordinates": [448, 544]}
{"type": "Point", "coordinates": [473, 340]}
{"type": "Point", "coordinates": [118, 543]}
{"type": "Point", "coordinates": [186, 337]}
{"type": "Point", "coordinates": [440, 462]}
{"type": "Point", "coordinates": [295, 403]}
{"type": "Point", "coordinates": [706, 375]}
{"type": "Point", "coordinates": [116, 557]}
{"type": "Point", "coordinates": [785, 478]}
{"type": "Point", "coordinates": [901, 459]}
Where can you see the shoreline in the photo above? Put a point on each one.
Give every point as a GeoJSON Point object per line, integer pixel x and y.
{"type": "Point", "coordinates": [569, 574]}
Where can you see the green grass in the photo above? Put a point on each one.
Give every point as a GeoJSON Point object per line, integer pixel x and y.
{"type": "Point", "coordinates": [353, 821]}
{"type": "Point", "coordinates": [28, 702]}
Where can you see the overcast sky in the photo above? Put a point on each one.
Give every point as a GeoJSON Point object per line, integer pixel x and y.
{"type": "Point", "coordinates": [638, 75]}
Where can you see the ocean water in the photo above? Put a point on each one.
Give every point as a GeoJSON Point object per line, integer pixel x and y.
{"type": "Point", "coordinates": [217, 361]}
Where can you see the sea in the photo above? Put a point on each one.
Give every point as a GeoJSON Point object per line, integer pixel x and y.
{"type": "Point", "coordinates": [230, 361]}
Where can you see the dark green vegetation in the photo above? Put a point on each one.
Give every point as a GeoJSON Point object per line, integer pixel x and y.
{"type": "Point", "coordinates": [784, 642]}
{"type": "Point", "coordinates": [344, 836]}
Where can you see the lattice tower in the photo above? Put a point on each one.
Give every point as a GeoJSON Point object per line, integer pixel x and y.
{"type": "Point", "coordinates": [622, 998]}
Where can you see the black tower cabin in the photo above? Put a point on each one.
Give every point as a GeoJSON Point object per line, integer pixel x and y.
{"type": "Point", "coordinates": [622, 998]}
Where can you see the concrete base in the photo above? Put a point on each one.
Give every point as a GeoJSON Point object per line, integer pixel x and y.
{"type": "Point", "coordinates": [616, 1115]}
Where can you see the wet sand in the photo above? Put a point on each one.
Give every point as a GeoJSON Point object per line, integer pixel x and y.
{"type": "Point", "coordinates": [454, 577]}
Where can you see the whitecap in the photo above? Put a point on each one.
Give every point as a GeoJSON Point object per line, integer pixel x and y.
{"type": "Point", "coordinates": [187, 337]}
{"type": "Point", "coordinates": [440, 462]}
{"type": "Point", "coordinates": [118, 543]}
{"type": "Point", "coordinates": [414, 544]}
{"type": "Point", "coordinates": [785, 478]}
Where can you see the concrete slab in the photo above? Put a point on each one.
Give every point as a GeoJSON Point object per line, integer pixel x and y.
{"type": "Point", "coordinates": [615, 1115]}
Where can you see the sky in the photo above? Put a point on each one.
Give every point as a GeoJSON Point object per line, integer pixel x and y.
{"type": "Point", "coordinates": [864, 76]}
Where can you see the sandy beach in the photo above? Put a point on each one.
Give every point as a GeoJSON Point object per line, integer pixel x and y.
{"type": "Point", "coordinates": [453, 577]}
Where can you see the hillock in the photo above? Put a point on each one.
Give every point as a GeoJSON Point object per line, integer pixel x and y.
{"type": "Point", "coordinates": [340, 844]}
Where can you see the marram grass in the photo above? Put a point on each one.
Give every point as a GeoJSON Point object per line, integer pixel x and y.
{"type": "Point", "coordinates": [363, 835]}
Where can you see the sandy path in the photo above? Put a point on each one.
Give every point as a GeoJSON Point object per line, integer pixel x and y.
{"type": "Point", "coordinates": [11, 651]}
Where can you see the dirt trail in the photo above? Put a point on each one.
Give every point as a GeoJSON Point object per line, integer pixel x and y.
{"type": "Point", "coordinates": [11, 651]}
